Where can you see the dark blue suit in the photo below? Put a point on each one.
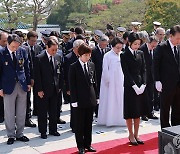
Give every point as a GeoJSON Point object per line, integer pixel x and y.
{"type": "Point", "coordinates": [8, 73]}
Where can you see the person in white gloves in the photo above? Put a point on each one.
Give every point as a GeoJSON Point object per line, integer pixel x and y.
{"type": "Point", "coordinates": [134, 69]}
{"type": "Point", "coordinates": [167, 77]}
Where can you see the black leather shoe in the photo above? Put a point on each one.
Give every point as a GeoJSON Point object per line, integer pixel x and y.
{"type": "Point", "coordinates": [54, 133]}
{"type": "Point", "coordinates": [1, 119]}
{"type": "Point", "coordinates": [23, 139]}
{"type": "Point", "coordinates": [133, 142]}
{"type": "Point", "coordinates": [139, 141]}
{"type": "Point", "coordinates": [43, 136]}
{"type": "Point", "coordinates": [144, 118]}
{"type": "Point", "coordinates": [81, 151]}
{"type": "Point", "coordinates": [10, 141]}
{"type": "Point", "coordinates": [152, 116]}
{"type": "Point", "coordinates": [60, 121]}
{"type": "Point", "coordinates": [29, 123]}
{"type": "Point", "coordinates": [90, 149]}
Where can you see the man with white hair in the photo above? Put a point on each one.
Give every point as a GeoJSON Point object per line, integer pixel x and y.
{"type": "Point", "coordinates": [160, 34]}
{"type": "Point", "coordinates": [97, 58]}
{"type": "Point", "coordinates": [68, 60]}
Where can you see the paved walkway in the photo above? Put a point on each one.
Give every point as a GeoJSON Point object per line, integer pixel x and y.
{"type": "Point", "coordinates": [37, 145]}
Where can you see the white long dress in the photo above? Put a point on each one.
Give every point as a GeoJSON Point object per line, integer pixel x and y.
{"type": "Point", "coordinates": [111, 92]}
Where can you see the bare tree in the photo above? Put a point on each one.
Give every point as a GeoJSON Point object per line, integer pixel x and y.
{"type": "Point", "coordinates": [13, 11]}
{"type": "Point", "coordinates": [41, 9]}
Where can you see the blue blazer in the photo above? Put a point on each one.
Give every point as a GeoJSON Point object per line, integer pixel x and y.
{"type": "Point", "coordinates": [8, 72]}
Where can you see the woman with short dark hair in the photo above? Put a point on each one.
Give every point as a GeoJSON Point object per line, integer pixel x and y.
{"type": "Point", "coordinates": [133, 66]}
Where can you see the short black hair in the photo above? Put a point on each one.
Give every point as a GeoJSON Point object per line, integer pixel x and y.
{"type": "Point", "coordinates": [51, 42]}
{"type": "Point", "coordinates": [13, 38]}
{"type": "Point", "coordinates": [126, 35]}
{"type": "Point", "coordinates": [175, 29]}
{"type": "Point", "coordinates": [115, 41]}
{"type": "Point", "coordinates": [55, 33]}
{"type": "Point", "coordinates": [19, 33]}
{"type": "Point", "coordinates": [79, 30]}
{"type": "Point", "coordinates": [32, 34]}
{"type": "Point", "coordinates": [133, 37]}
{"type": "Point", "coordinates": [110, 33]}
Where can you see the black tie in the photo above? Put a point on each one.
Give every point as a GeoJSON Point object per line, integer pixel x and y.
{"type": "Point", "coordinates": [134, 54]}
{"type": "Point", "coordinates": [86, 73]}
{"type": "Point", "coordinates": [14, 59]}
{"type": "Point", "coordinates": [52, 65]}
{"type": "Point", "coordinates": [150, 53]}
{"type": "Point", "coordinates": [32, 52]}
{"type": "Point", "coordinates": [176, 54]}
{"type": "Point", "coordinates": [102, 52]}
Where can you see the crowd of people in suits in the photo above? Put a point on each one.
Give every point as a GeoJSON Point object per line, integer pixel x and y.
{"type": "Point", "coordinates": [118, 76]}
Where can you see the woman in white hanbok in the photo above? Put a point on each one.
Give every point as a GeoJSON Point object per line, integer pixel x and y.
{"type": "Point", "coordinates": [112, 91]}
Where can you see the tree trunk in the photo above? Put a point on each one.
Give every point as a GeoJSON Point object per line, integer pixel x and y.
{"type": "Point", "coordinates": [35, 22]}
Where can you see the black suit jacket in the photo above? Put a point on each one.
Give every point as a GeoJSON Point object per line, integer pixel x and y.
{"type": "Point", "coordinates": [44, 79]}
{"type": "Point", "coordinates": [68, 60]}
{"type": "Point", "coordinates": [166, 69]}
{"type": "Point", "coordinates": [82, 91]}
{"type": "Point", "coordinates": [149, 63]}
{"type": "Point", "coordinates": [97, 59]}
{"type": "Point", "coordinates": [134, 69]}
{"type": "Point", "coordinates": [37, 50]}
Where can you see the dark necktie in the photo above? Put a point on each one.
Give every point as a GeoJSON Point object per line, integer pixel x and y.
{"type": "Point", "coordinates": [134, 53]}
{"type": "Point", "coordinates": [176, 54]}
{"type": "Point", "coordinates": [150, 54]}
{"type": "Point", "coordinates": [52, 65]}
{"type": "Point", "coordinates": [86, 73]}
{"type": "Point", "coordinates": [102, 52]}
{"type": "Point", "coordinates": [14, 59]}
{"type": "Point", "coordinates": [32, 52]}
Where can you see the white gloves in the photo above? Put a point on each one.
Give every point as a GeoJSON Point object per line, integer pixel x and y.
{"type": "Point", "coordinates": [139, 90]}
{"type": "Point", "coordinates": [97, 101]}
{"type": "Point", "coordinates": [159, 86]}
{"type": "Point", "coordinates": [142, 88]}
{"type": "Point", "coordinates": [136, 89]}
{"type": "Point", "coordinates": [74, 104]}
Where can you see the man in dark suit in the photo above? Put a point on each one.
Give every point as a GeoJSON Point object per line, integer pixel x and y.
{"type": "Point", "coordinates": [48, 87]}
{"type": "Point", "coordinates": [77, 31]}
{"type": "Point", "coordinates": [45, 36]}
{"type": "Point", "coordinates": [33, 50]}
{"type": "Point", "coordinates": [167, 77]}
{"type": "Point", "coordinates": [97, 58]}
{"type": "Point", "coordinates": [14, 84]}
{"type": "Point", "coordinates": [83, 97]}
{"type": "Point", "coordinates": [3, 43]}
{"type": "Point", "coordinates": [148, 48]}
{"type": "Point", "coordinates": [68, 60]}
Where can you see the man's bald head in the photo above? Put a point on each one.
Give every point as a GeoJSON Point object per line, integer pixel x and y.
{"type": "Point", "coordinates": [3, 39]}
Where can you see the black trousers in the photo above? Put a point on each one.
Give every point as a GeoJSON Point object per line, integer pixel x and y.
{"type": "Point", "coordinates": [156, 98]}
{"type": "Point", "coordinates": [47, 105]}
{"type": "Point", "coordinates": [170, 99]}
{"type": "Point", "coordinates": [1, 107]}
{"type": "Point", "coordinates": [150, 94]}
{"type": "Point", "coordinates": [28, 107]}
{"type": "Point", "coordinates": [83, 128]}
{"type": "Point", "coordinates": [72, 117]}
{"type": "Point", "coordinates": [59, 104]}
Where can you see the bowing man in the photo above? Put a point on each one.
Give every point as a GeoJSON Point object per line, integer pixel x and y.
{"type": "Point", "coordinates": [48, 78]}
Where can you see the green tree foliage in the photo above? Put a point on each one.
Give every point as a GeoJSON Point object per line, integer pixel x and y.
{"type": "Point", "coordinates": [13, 11]}
{"type": "Point", "coordinates": [60, 15]}
{"type": "Point", "coordinates": [165, 11]}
